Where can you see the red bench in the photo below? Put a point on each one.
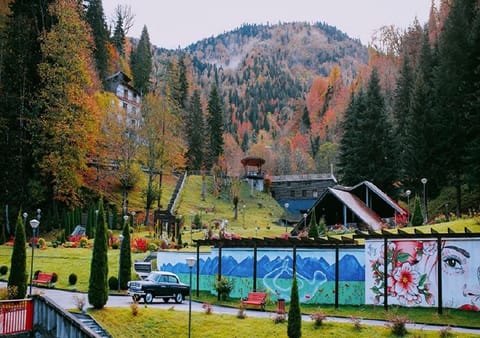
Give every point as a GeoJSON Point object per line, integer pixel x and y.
{"type": "Point", "coordinates": [255, 298]}
{"type": "Point", "coordinates": [44, 278]}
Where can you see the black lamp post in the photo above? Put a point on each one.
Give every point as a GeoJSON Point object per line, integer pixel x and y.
{"type": "Point", "coordinates": [192, 216]}
{"type": "Point", "coordinates": [286, 205]}
{"type": "Point", "coordinates": [408, 193]}
{"type": "Point", "coordinates": [244, 206]}
{"type": "Point", "coordinates": [34, 224]}
{"type": "Point", "coordinates": [425, 217]}
{"type": "Point", "coordinates": [125, 219]}
{"type": "Point", "coordinates": [190, 263]}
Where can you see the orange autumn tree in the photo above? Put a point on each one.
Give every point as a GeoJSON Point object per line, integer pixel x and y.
{"type": "Point", "coordinates": [65, 129]}
{"type": "Point", "coordinates": [163, 148]}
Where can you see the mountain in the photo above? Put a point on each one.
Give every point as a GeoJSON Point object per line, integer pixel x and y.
{"type": "Point", "coordinates": [268, 76]}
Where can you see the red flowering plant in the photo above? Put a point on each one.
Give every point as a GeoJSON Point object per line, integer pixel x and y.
{"type": "Point", "coordinates": [139, 245]}
{"type": "Point", "coordinates": [409, 268]}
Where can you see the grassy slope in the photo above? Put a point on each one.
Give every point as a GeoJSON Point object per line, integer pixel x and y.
{"type": "Point", "coordinates": [261, 210]}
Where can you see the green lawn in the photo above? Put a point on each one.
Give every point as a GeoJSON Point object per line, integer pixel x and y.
{"type": "Point", "coordinates": [65, 261]}
{"type": "Point", "coordinates": [171, 323]}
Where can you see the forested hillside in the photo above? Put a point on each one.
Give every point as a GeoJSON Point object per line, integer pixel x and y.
{"type": "Point", "coordinates": [283, 89]}
{"type": "Point", "coordinates": [305, 97]}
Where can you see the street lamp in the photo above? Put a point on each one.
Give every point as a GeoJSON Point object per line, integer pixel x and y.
{"type": "Point", "coordinates": [305, 220]}
{"type": "Point", "coordinates": [408, 193]}
{"type": "Point", "coordinates": [25, 215]}
{"type": "Point", "coordinates": [286, 205]}
{"type": "Point", "coordinates": [192, 215]}
{"type": "Point", "coordinates": [34, 224]}
{"type": "Point", "coordinates": [120, 237]}
{"type": "Point", "coordinates": [244, 206]}
{"type": "Point", "coordinates": [424, 182]}
{"type": "Point", "coordinates": [190, 263]}
{"type": "Point", "coordinates": [125, 220]}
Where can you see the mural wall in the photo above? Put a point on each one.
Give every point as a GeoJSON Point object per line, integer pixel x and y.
{"type": "Point", "coordinates": [315, 273]}
{"type": "Point", "coordinates": [412, 272]}
{"type": "Point", "coordinates": [412, 267]}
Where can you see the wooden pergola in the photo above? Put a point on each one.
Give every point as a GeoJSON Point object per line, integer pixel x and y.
{"type": "Point", "coordinates": [333, 243]}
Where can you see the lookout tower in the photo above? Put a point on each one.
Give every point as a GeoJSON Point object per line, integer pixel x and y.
{"type": "Point", "coordinates": [253, 172]}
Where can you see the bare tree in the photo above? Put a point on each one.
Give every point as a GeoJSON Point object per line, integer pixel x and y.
{"type": "Point", "coordinates": [124, 12]}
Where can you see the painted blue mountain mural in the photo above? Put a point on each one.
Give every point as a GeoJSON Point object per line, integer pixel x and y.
{"type": "Point", "coordinates": [350, 268]}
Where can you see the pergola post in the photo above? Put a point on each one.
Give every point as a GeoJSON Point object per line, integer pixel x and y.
{"type": "Point", "coordinates": [337, 274]}
{"type": "Point", "coordinates": [255, 267]}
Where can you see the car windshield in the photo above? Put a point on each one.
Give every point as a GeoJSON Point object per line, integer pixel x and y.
{"type": "Point", "coordinates": [153, 277]}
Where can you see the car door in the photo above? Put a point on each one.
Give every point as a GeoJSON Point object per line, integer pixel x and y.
{"type": "Point", "coordinates": [172, 285]}
{"type": "Point", "coordinates": [162, 286]}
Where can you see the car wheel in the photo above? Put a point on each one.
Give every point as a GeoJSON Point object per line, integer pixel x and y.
{"type": "Point", "coordinates": [136, 298]}
{"type": "Point", "coordinates": [148, 298]}
{"type": "Point", "coordinates": [178, 298]}
{"type": "Point", "coordinates": [166, 299]}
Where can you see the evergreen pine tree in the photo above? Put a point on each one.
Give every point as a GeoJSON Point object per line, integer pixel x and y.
{"type": "Point", "coordinates": [417, 216]}
{"type": "Point", "coordinates": [322, 227]}
{"type": "Point", "coordinates": [90, 220]}
{"type": "Point", "coordinates": [403, 94]}
{"type": "Point", "coordinates": [306, 120]}
{"type": "Point", "coordinates": [417, 151]}
{"type": "Point", "coordinates": [96, 18]}
{"type": "Point", "coordinates": [178, 84]}
{"type": "Point", "coordinates": [215, 127]}
{"type": "Point", "coordinates": [183, 83]}
{"type": "Point", "coordinates": [473, 118]}
{"type": "Point", "coordinates": [313, 229]}
{"type": "Point", "coordinates": [19, 56]}
{"type": "Point", "coordinates": [125, 257]}
{"type": "Point", "coordinates": [18, 262]}
{"type": "Point", "coordinates": [195, 133]}
{"type": "Point", "coordinates": [141, 63]}
{"type": "Point", "coordinates": [3, 237]}
{"type": "Point", "coordinates": [118, 38]}
{"type": "Point", "coordinates": [454, 90]}
{"type": "Point", "coordinates": [375, 147]}
{"type": "Point", "coordinates": [98, 283]}
{"type": "Point", "coordinates": [294, 328]}
{"type": "Point", "coordinates": [350, 142]}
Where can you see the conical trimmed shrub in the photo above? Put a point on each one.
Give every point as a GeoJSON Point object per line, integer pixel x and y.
{"type": "Point", "coordinates": [98, 283]}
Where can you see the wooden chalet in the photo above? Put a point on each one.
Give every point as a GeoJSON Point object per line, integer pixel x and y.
{"type": "Point", "coordinates": [363, 207]}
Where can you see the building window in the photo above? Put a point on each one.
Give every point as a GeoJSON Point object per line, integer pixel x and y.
{"type": "Point", "coordinates": [288, 184]}
{"type": "Point", "coordinates": [125, 93]}
{"type": "Point", "coordinates": [304, 193]}
{"type": "Point", "coordinates": [125, 105]}
{"type": "Point", "coordinates": [292, 193]}
{"type": "Point", "coordinates": [315, 193]}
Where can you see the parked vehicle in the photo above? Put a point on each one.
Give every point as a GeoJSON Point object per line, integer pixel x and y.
{"type": "Point", "coordinates": [161, 284]}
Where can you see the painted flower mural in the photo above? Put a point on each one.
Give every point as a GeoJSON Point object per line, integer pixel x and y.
{"type": "Point", "coordinates": [411, 267]}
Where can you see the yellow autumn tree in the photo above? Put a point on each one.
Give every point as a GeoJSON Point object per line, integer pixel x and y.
{"type": "Point", "coordinates": [68, 118]}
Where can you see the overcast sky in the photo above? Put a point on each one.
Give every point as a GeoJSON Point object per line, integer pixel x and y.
{"type": "Point", "coordinates": [171, 24]}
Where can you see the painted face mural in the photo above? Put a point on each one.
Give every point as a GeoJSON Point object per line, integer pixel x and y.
{"type": "Point", "coordinates": [461, 274]}
{"type": "Point", "coordinates": [412, 271]}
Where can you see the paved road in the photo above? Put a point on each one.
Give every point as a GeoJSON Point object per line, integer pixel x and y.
{"type": "Point", "coordinates": [66, 300]}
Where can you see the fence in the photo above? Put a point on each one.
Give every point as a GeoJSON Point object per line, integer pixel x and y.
{"type": "Point", "coordinates": [16, 316]}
